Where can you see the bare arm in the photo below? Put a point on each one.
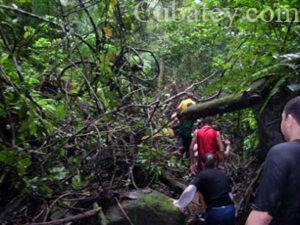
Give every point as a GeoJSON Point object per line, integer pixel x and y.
{"type": "Point", "coordinates": [220, 143]}
{"type": "Point", "coordinates": [227, 149]}
{"type": "Point", "coordinates": [178, 109]}
{"type": "Point", "coordinates": [186, 197]}
{"type": "Point", "coordinates": [258, 218]}
{"type": "Point", "coordinates": [194, 141]}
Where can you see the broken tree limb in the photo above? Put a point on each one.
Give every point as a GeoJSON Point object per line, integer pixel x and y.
{"type": "Point", "coordinates": [219, 106]}
{"type": "Point", "coordinates": [124, 212]}
{"type": "Point", "coordinates": [69, 219]}
{"type": "Point", "coordinates": [230, 103]}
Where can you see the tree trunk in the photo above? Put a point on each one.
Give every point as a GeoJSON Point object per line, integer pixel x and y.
{"type": "Point", "coordinates": [223, 105]}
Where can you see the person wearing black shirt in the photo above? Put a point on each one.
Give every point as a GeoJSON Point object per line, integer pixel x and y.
{"type": "Point", "coordinates": [277, 199]}
{"type": "Point", "coordinates": [215, 188]}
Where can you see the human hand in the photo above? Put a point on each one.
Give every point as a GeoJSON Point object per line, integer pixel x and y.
{"type": "Point", "coordinates": [181, 209]}
{"type": "Point", "coordinates": [193, 168]}
{"type": "Point", "coordinates": [174, 202]}
{"type": "Point", "coordinates": [227, 141]}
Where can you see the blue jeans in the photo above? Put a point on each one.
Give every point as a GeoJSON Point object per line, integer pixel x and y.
{"type": "Point", "coordinates": [220, 216]}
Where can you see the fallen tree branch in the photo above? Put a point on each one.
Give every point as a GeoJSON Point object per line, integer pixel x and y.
{"type": "Point", "coordinates": [219, 106]}
{"type": "Point", "coordinates": [69, 219]}
{"type": "Point", "coordinates": [123, 211]}
{"type": "Point", "coordinates": [53, 203]}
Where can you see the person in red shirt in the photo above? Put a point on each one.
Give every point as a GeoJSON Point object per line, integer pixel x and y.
{"type": "Point", "coordinates": [209, 141]}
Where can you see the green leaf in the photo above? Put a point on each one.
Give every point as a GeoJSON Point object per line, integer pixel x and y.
{"type": "Point", "coordinates": [61, 152]}
{"type": "Point", "coordinates": [32, 126]}
{"type": "Point", "coordinates": [32, 81]}
{"type": "Point", "coordinates": [113, 2]}
{"type": "Point", "coordinates": [77, 182]}
{"type": "Point", "coordinates": [26, 35]}
{"type": "Point", "coordinates": [60, 111]}
{"type": "Point", "coordinates": [22, 165]}
{"type": "Point", "coordinates": [4, 58]}
{"type": "Point", "coordinates": [7, 156]}
{"type": "Point", "coordinates": [58, 173]}
{"type": "Point", "coordinates": [2, 111]}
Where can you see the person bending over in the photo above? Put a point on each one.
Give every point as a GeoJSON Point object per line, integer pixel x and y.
{"type": "Point", "coordinates": [215, 188]}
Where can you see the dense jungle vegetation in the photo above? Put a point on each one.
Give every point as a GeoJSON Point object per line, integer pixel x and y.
{"type": "Point", "coordinates": [88, 88]}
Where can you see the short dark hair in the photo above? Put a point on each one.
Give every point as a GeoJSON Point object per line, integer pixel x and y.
{"type": "Point", "coordinates": [292, 107]}
{"type": "Point", "coordinates": [209, 161]}
{"type": "Point", "coordinates": [207, 120]}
